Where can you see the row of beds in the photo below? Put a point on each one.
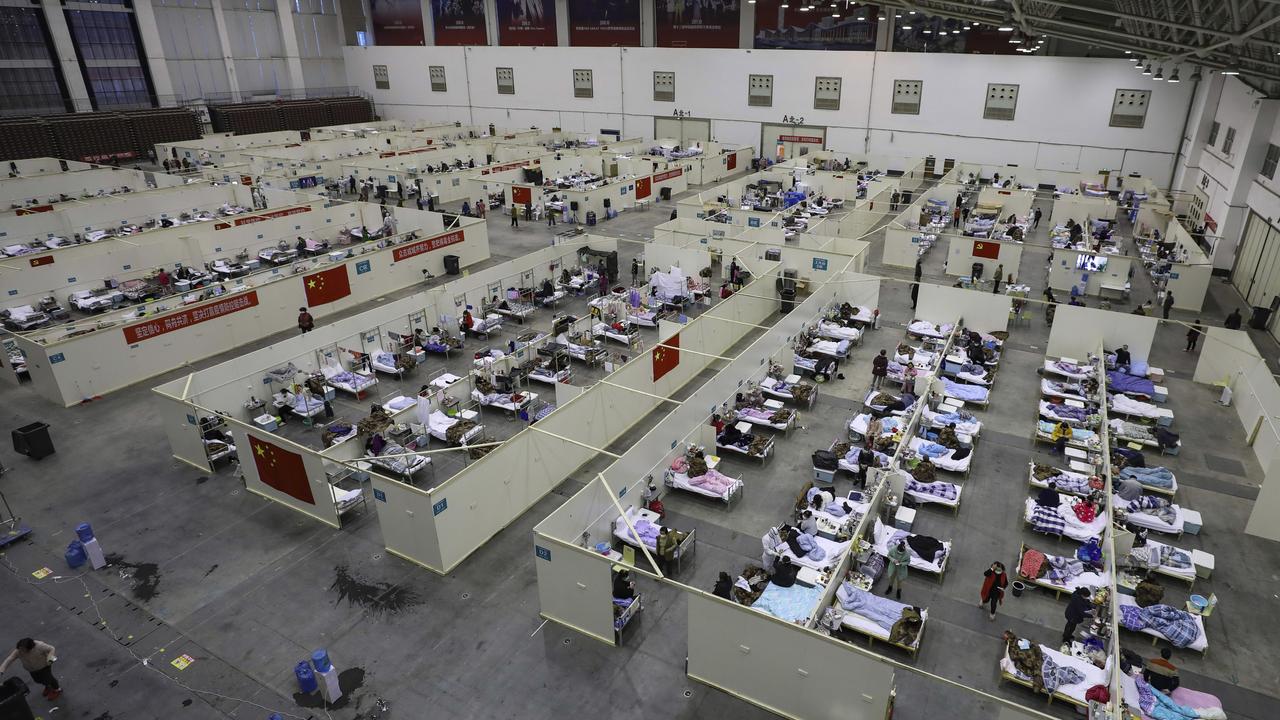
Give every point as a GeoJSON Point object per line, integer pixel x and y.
{"type": "Point", "coordinates": [1065, 379]}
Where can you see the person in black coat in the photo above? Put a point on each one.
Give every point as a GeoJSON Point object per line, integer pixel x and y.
{"type": "Point", "coordinates": [1233, 320]}
{"type": "Point", "coordinates": [724, 587]}
{"type": "Point", "coordinates": [784, 575]}
{"type": "Point", "coordinates": [1079, 608]}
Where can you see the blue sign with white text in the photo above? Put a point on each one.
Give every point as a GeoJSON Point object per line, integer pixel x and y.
{"type": "Point", "coordinates": [440, 507]}
{"type": "Point", "coordinates": [542, 552]}
{"type": "Point", "coordinates": [362, 267]}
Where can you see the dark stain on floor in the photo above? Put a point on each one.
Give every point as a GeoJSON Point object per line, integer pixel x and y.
{"type": "Point", "coordinates": [209, 572]}
{"type": "Point", "coordinates": [145, 577]}
{"type": "Point", "coordinates": [377, 598]}
{"type": "Point", "coordinates": [186, 703]}
{"type": "Point", "coordinates": [202, 479]}
{"type": "Point", "coordinates": [349, 681]}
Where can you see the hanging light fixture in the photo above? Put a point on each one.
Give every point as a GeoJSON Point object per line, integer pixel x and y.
{"type": "Point", "coordinates": [1147, 70]}
{"type": "Point", "coordinates": [1195, 74]}
{"type": "Point", "coordinates": [1159, 73]}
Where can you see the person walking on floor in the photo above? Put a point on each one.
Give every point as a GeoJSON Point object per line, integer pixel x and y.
{"type": "Point", "coordinates": [37, 658]}
{"type": "Point", "coordinates": [1233, 320]}
{"type": "Point", "coordinates": [915, 294]}
{"type": "Point", "coordinates": [919, 268]}
{"type": "Point", "coordinates": [635, 270]}
{"type": "Point", "coordinates": [1168, 303]}
{"type": "Point", "coordinates": [996, 278]}
{"type": "Point", "coordinates": [305, 321]}
{"type": "Point", "coordinates": [899, 561]}
{"type": "Point", "coordinates": [1193, 335]}
{"type": "Point", "coordinates": [955, 218]}
{"type": "Point", "coordinates": [1035, 218]}
{"type": "Point", "coordinates": [993, 584]}
{"type": "Point", "coordinates": [515, 215]}
{"type": "Point", "coordinates": [551, 217]}
{"type": "Point", "coordinates": [879, 369]}
{"type": "Point", "coordinates": [1079, 609]}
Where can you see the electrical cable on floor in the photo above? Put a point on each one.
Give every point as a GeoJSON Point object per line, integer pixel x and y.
{"type": "Point", "coordinates": [146, 662]}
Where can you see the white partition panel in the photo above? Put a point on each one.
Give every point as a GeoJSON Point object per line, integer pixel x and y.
{"type": "Point", "coordinates": [1225, 355]}
{"type": "Point", "coordinates": [901, 247]}
{"type": "Point", "coordinates": [1264, 519]}
{"type": "Point", "coordinates": [689, 259]}
{"type": "Point", "coordinates": [1065, 272]}
{"type": "Point", "coordinates": [785, 669]}
{"type": "Point", "coordinates": [181, 427]}
{"type": "Point", "coordinates": [1078, 330]}
{"type": "Point", "coordinates": [984, 311]}
{"type": "Point", "coordinates": [574, 587]}
{"type": "Point", "coordinates": [405, 518]}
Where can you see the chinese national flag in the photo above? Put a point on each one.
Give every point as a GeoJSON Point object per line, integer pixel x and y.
{"type": "Point", "coordinates": [643, 188]}
{"type": "Point", "coordinates": [666, 356]}
{"type": "Point", "coordinates": [733, 162]}
{"type": "Point", "coordinates": [327, 285]}
{"type": "Point", "coordinates": [281, 470]}
{"type": "Point", "coordinates": [988, 250]}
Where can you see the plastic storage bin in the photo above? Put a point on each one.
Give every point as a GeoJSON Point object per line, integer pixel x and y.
{"type": "Point", "coordinates": [33, 440]}
{"type": "Point", "coordinates": [13, 700]}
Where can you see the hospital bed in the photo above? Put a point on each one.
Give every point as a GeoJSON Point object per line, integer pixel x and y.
{"type": "Point", "coordinates": [483, 327]}
{"type": "Point", "coordinates": [514, 309]}
{"type": "Point", "coordinates": [882, 535]}
{"type": "Point", "coordinates": [524, 340]}
{"type": "Point", "coordinates": [438, 425]}
{"type": "Point", "coordinates": [938, 492]}
{"type": "Point", "coordinates": [859, 316]}
{"type": "Point", "coordinates": [487, 357]}
{"type": "Point", "coordinates": [834, 349]}
{"type": "Point", "coordinates": [884, 409]}
{"type": "Point", "coordinates": [1069, 369]}
{"type": "Point", "coordinates": [1142, 475]}
{"type": "Point", "coordinates": [843, 462]}
{"type": "Point", "coordinates": [95, 300]}
{"type": "Point", "coordinates": [1121, 404]}
{"type": "Point", "coordinates": [25, 317]}
{"type": "Point", "coordinates": [385, 362]}
{"type": "Point", "coordinates": [860, 425]}
{"type": "Point", "coordinates": [763, 416]}
{"type": "Point", "coordinates": [580, 347]}
{"type": "Point", "coordinates": [795, 604]}
{"type": "Point", "coordinates": [682, 481]}
{"type": "Point", "coordinates": [968, 372]}
{"type": "Point", "coordinates": [621, 333]}
{"type": "Point", "coordinates": [836, 331]}
{"type": "Point", "coordinates": [1063, 390]}
{"type": "Point", "coordinates": [966, 425]}
{"type": "Point", "coordinates": [1074, 694]}
{"type": "Point", "coordinates": [511, 403]}
{"type": "Point", "coordinates": [355, 383]}
{"type": "Point", "coordinates": [216, 450]}
{"type": "Point", "coordinates": [544, 371]}
{"type": "Point", "coordinates": [1056, 413]}
{"type": "Point", "coordinates": [644, 317]}
{"type": "Point", "coordinates": [649, 525]}
{"type": "Point", "coordinates": [1130, 432]}
{"type": "Point", "coordinates": [301, 404]}
{"type": "Point", "coordinates": [404, 467]}
{"type": "Point", "coordinates": [1182, 696]}
{"type": "Point", "coordinates": [1067, 482]}
{"type": "Point", "coordinates": [863, 625]}
{"type": "Point", "coordinates": [821, 369]}
{"type": "Point", "coordinates": [1200, 644]}
{"type": "Point", "coordinates": [443, 380]}
{"type": "Point", "coordinates": [741, 440]}
{"type": "Point", "coordinates": [552, 299]}
{"type": "Point", "coordinates": [579, 282]}
{"type": "Point", "coordinates": [1083, 438]}
{"type": "Point", "coordinates": [345, 500]}
{"type": "Point", "coordinates": [925, 329]}
{"type": "Point", "coordinates": [833, 551]}
{"type": "Point", "coordinates": [1091, 580]}
{"type": "Point", "coordinates": [974, 394]}
{"type": "Point", "coordinates": [277, 256]}
{"type": "Point", "coordinates": [1146, 520]}
{"type": "Point", "coordinates": [947, 461]}
{"type": "Point", "coordinates": [782, 389]}
{"type": "Point", "coordinates": [1065, 518]}
{"type": "Point", "coordinates": [1186, 574]}
{"type": "Point", "coordinates": [399, 403]}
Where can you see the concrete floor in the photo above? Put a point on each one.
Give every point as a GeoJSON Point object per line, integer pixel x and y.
{"type": "Point", "coordinates": [247, 588]}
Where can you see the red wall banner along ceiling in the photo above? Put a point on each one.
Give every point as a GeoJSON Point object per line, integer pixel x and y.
{"type": "Point", "coordinates": [604, 23]}
{"type": "Point", "coordinates": [458, 22]}
{"type": "Point", "coordinates": [527, 22]}
{"type": "Point", "coordinates": [690, 24]}
{"type": "Point", "coordinates": [397, 22]}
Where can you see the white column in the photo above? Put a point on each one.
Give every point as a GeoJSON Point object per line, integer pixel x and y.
{"type": "Point", "coordinates": [746, 26]}
{"type": "Point", "coordinates": [224, 44]}
{"type": "Point", "coordinates": [648, 19]}
{"type": "Point", "coordinates": [289, 41]}
{"type": "Point", "coordinates": [562, 23]}
{"type": "Point", "coordinates": [428, 26]}
{"type": "Point", "coordinates": [65, 50]}
{"type": "Point", "coordinates": [153, 49]}
{"type": "Point", "coordinates": [491, 22]}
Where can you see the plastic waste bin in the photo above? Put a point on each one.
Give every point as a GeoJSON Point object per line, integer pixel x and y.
{"type": "Point", "coordinates": [33, 440]}
{"type": "Point", "coordinates": [452, 265]}
{"type": "Point", "coordinates": [1261, 316]}
{"type": "Point", "coordinates": [13, 700]}
{"type": "Point", "coordinates": [788, 295]}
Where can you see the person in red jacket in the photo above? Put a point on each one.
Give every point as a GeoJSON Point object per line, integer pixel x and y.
{"type": "Point", "coordinates": [994, 581]}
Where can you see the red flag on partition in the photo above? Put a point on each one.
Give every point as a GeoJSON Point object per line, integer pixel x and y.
{"type": "Point", "coordinates": [327, 285]}
{"type": "Point", "coordinates": [732, 162]}
{"type": "Point", "coordinates": [989, 250]}
{"type": "Point", "coordinates": [282, 470]}
{"type": "Point", "coordinates": [666, 356]}
{"type": "Point", "coordinates": [642, 188]}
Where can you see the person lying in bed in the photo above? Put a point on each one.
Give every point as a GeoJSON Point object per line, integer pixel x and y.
{"type": "Point", "coordinates": [947, 437]}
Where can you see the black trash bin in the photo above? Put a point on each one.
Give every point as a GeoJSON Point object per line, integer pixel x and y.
{"type": "Point", "coordinates": [451, 265]}
{"type": "Point", "coordinates": [1261, 316]}
{"type": "Point", "coordinates": [33, 440]}
{"type": "Point", "coordinates": [13, 700]}
{"type": "Point", "coordinates": [788, 295]}
{"type": "Point", "coordinates": [665, 193]}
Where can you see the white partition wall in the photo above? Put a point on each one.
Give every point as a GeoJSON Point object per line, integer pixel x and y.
{"type": "Point", "coordinates": [901, 246]}
{"type": "Point", "coordinates": [788, 670]}
{"type": "Point", "coordinates": [983, 311]}
{"type": "Point", "coordinates": [1065, 271]}
{"type": "Point", "coordinates": [1077, 331]}
{"type": "Point", "coordinates": [181, 427]}
{"type": "Point", "coordinates": [689, 259]}
{"type": "Point", "coordinates": [575, 588]}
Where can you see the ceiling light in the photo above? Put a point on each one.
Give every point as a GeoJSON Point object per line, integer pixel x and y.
{"type": "Point", "coordinates": [1195, 74]}
{"type": "Point", "coordinates": [906, 27]}
{"type": "Point", "coordinates": [927, 32]}
{"type": "Point", "coordinates": [862, 17]}
{"type": "Point", "coordinates": [1173, 76]}
{"type": "Point", "coordinates": [1159, 73]}
{"type": "Point", "coordinates": [1128, 52]}
{"type": "Point", "coordinates": [1229, 72]}
{"type": "Point", "coordinates": [835, 15]}
{"type": "Point", "coordinates": [1015, 41]}
{"type": "Point", "coordinates": [1135, 59]}
{"type": "Point", "coordinates": [911, 12]}
{"type": "Point", "coordinates": [1005, 28]}
{"type": "Point", "coordinates": [1147, 70]}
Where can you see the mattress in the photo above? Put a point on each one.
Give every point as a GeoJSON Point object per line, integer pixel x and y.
{"type": "Point", "coordinates": [856, 622]}
{"type": "Point", "coordinates": [1052, 388]}
{"type": "Point", "coordinates": [1092, 674]}
{"type": "Point", "coordinates": [834, 551]}
{"type": "Point", "coordinates": [1187, 573]}
{"type": "Point", "coordinates": [884, 533]}
{"type": "Point", "coordinates": [831, 348]}
{"type": "Point", "coordinates": [940, 420]}
{"type": "Point", "coordinates": [1151, 522]}
{"type": "Point", "coordinates": [836, 331]}
{"type": "Point", "coordinates": [928, 329]}
{"type": "Point", "coordinates": [1072, 527]}
{"type": "Point", "coordinates": [1202, 640]}
{"type": "Point", "coordinates": [930, 498]}
{"type": "Point", "coordinates": [400, 402]}
{"type": "Point", "coordinates": [681, 480]}
{"type": "Point", "coordinates": [880, 408]}
{"type": "Point", "coordinates": [1080, 372]}
{"type": "Point", "coordinates": [445, 380]}
{"type": "Point", "coordinates": [794, 604]}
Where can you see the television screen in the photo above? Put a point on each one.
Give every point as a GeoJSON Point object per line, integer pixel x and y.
{"type": "Point", "coordinates": [1091, 263]}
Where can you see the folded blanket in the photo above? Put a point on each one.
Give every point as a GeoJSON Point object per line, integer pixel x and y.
{"type": "Point", "coordinates": [1047, 520]}
{"type": "Point", "coordinates": [1055, 675]}
{"type": "Point", "coordinates": [944, 490]}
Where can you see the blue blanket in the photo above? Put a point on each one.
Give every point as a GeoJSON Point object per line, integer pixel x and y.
{"type": "Point", "coordinates": [879, 610]}
{"type": "Point", "coordinates": [793, 604]}
{"type": "Point", "coordinates": [1158, 706]}
{"type": "Point", "coordinates": [812, 549]}
{"type": "Point", "coordinates": [1178, 627]}
{"type": "Point", "coordinates": [1156, 477]}
{"type": "Point", "coordinates": [1128, 384]}
{"type": "Point", "coordinates": [965, 392]}
{"type": "Point", "coordinates": [932, 450]}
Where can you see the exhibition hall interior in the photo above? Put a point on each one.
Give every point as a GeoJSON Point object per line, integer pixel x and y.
{"type": "Point", "coordinates": [631, 358]}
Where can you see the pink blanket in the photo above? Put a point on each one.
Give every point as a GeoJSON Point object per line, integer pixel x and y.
{"type": "Point", "coordinates": [713, 482]}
